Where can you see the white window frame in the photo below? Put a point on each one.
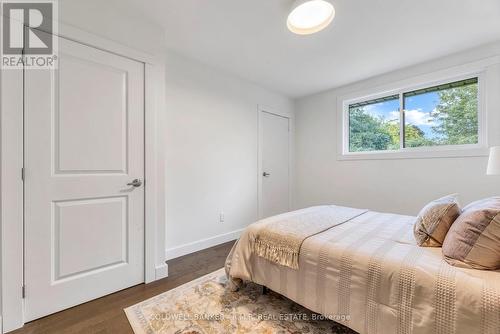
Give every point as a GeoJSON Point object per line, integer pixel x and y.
{"type": "Point", "coordinates": [431, 80]}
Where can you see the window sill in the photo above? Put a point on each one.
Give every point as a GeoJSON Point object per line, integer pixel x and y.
{"type": "Point", "coordinates": [416, 153]}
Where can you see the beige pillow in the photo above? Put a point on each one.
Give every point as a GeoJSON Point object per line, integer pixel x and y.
{"type": "Point", "coordinates": [474, 239]}
{"type": "Point", "coordinates": [434, 221]}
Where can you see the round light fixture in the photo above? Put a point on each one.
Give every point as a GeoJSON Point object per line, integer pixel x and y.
{"type": "Point", "coordinates": [310, 16]}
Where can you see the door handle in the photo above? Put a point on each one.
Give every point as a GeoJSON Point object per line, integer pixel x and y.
{"type": "Point", "coordinates": [135, 183]}
{"type": "Point", "coordinates": [265, 174]}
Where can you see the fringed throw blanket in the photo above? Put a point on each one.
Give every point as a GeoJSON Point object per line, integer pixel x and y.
{"type": "Point", "coordinates": [279, 238]}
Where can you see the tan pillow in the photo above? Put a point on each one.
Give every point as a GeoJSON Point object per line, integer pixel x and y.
{"type": "Point", "coordinates": [434, 221]}
{"type": "Point", "coordinates": [474, 239]}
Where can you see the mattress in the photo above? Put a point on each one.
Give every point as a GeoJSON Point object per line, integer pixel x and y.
{"type": "Point", "coordinates": [370, 275]}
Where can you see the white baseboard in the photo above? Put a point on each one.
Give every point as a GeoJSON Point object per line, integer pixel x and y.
{"type": "Point", "coordinates": [172, 253]}
{"type": "Point", "coordinates": [161, 271]}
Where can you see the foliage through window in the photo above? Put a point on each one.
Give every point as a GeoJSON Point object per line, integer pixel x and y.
{"type": "Point", "coordinates": [436, 116]}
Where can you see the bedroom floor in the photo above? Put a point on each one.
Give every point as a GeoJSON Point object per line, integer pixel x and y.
{"type": "Point", "coordinates": [105, 315]}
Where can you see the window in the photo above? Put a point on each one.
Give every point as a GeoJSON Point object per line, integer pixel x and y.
{"type": "Point", "coordinates": [374, 125]}
{"type": "Point", "coordinates": [442, 115]}
{"type": "Point", "coordinates": [438, 116]}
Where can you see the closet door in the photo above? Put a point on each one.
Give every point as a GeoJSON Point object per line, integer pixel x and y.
{"type": "Point", "coordinates": [84, 147]}
{"type": "Point", "coordinates": [275, 164]}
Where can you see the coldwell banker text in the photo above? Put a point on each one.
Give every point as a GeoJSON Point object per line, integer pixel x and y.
{"type": "Point", "coordinates": [29, 36]}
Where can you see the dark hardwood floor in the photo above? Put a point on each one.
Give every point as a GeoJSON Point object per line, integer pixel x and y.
{"type": "Point", "coordinates": [105, 315]}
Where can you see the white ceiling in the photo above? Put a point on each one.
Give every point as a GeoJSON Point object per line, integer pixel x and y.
{"type": "Point", "coordinates": [249, 38]}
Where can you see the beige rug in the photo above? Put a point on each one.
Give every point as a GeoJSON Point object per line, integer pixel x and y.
{"type": "Point", "coordinates": [204, 306]}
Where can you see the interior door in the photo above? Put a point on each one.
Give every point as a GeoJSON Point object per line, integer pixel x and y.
{"type": "Point", "coordinates": [275, 164]}
{"type": "Point", "coordinates": [84, 145]}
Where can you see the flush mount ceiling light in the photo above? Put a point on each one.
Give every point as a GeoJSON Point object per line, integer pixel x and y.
{"type": "Point", "coordinates": [310, 16]}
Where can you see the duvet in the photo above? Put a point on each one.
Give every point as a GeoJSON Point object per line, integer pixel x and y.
{"type": "Point", "coordinates": [368, 274]}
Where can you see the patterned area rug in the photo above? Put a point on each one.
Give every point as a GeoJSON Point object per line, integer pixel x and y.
{"type": "Point", "coordinates": [205, 306]}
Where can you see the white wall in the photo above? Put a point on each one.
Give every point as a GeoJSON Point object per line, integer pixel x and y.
{"type": "Point", "coordinates": [403, 185]}
{"type": "Point", "coordinates": [115, 21]}
{"type": "Point", "coordinates": [209, 130]}
{"type": "Point", "coordinates": [211, 142]}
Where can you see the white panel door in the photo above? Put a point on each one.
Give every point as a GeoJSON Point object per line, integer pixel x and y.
{"type": "Point", "coordinates": [84, 142]}
{"type": "Point", "coordinates": [275, 164]}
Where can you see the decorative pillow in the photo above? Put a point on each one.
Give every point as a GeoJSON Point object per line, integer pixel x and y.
{"type": "Point", "coordinates": [474, 240]}
{"type": "Point", "coordinates": [434, 221]}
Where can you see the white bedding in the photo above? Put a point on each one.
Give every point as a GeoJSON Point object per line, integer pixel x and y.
{"type": "Point", "coordinates": [370, 275]}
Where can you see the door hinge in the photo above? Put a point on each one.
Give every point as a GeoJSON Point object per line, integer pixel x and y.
{"type": "Point", "coordinates": [23, 291]}
{"type": "Point", "coordinates": [22, 174]}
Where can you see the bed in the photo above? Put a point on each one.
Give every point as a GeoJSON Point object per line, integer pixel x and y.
{"type": "Point", "coordinates": [367, 273]}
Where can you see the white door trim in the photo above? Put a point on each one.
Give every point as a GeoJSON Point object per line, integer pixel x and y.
{"type": "Point", "coordinates": [11, 162]}
{"type": "Point", "coordinates": [291, 134]}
